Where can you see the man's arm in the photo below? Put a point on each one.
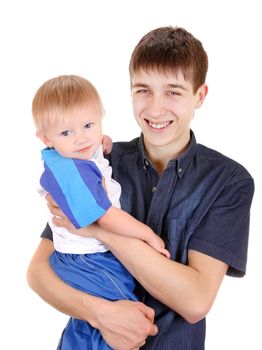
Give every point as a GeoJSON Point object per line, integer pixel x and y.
{"type": "Point", "coordinates": [190, 289]}
{"type": "Point", "coordinates": [124, 324]}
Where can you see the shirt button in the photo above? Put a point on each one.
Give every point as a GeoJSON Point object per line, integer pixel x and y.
{"type": "Point", "coordinates": [180, 170]}
{"type": "Point", "coordinates": [153, 189]}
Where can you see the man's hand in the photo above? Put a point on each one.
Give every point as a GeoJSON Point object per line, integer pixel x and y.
{"type": "Point", "coordinates": [59, 219]}
{"type": "Point", "coordinates": [107, 144]}
{"type": "Point", "coordinates": [125, 324]}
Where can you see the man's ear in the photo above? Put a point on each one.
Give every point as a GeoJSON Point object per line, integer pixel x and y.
{"type": "Point", "coordinates": [44, 138]}
{"type": "Point", "coordinates": [201, 95]}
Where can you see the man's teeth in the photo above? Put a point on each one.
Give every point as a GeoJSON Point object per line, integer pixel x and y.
{"type": "Point", "coordinates": [159, 125]}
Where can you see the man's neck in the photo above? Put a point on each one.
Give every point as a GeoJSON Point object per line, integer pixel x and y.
{"type": "Point", "coordinates": [161, 155]}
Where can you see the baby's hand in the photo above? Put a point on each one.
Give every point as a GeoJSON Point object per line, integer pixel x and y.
{"type": "Point", "coordinates": [158, 244]}
{"type": "Point", "coordinates": [107, 144]}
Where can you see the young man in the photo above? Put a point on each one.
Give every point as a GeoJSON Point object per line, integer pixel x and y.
{"type": "Point", "coordinates": [197, 199]}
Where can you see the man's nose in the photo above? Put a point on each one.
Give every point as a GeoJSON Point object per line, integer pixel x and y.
{"type": "Point", "coordinates": [156, 107]}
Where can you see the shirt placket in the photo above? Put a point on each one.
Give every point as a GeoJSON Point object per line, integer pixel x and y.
{"type": "Point", "coordinates": [162, 194]}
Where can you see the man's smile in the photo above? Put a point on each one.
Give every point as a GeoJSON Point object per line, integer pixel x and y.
{"type": "Point", "coordinates": [158, 126]}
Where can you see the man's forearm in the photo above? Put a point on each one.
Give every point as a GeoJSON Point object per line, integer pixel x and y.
{"type": "Point", "coordinates": [189, 290]}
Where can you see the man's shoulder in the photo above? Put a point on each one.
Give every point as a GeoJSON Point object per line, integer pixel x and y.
{"type": "Point", "coordinates": [124, 148]}
{"type": "Point", "coordinates": [124, 153]}
{"type": "Point", "coordinates": [220, 160]}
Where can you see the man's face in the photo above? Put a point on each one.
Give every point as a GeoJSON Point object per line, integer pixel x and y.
{"type": "Point", "coordinates": [163, 106]}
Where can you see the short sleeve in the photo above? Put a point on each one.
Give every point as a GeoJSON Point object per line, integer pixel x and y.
{"type": "Point", "coordinates": [76, 186]}
{"type": "Point", "coordinates": [223, 233]}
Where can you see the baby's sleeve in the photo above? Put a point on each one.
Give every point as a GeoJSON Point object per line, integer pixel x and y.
{"type": "Point", "coordinates": [76, 186]}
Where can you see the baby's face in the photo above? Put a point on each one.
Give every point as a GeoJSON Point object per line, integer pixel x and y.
{"type": "Point", "coordinates": [77, 134]}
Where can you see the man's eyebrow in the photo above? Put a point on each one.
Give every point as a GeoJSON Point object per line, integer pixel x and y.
{"type": "Point", "coordinates": [176, 86]}
{"type": "Point", "coordinates": [139, 85]}
{"type": "Point", "coordinates": [166, 86]}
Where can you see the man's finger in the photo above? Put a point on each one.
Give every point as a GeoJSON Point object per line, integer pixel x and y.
{"type": "Point", "coordinates": [54, 210]}
{"type": "Point", "coordinates": [50, 200]}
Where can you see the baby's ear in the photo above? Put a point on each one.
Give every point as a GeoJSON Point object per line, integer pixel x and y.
{"type": "Point", "coordinates": [43, 138]}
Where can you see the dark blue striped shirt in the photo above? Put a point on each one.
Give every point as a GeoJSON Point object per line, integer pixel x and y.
{"type": "Point", "coordinates": [201, 202]}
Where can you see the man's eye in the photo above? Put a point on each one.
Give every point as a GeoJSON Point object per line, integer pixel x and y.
{"type": "Point", "coordinates": [89, 125]}
{"type": "Point", "coordinates": [65, 133]}
{"type": "Point", "coordinates": [141, 91]}
{"type": "Point", "coordinates": [173, 93]}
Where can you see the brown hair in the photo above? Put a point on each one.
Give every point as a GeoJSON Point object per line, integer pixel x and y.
{"type": "Point", "coordinates": [169, 49]}
{"type": "Point", "coordinates": [57, 96]}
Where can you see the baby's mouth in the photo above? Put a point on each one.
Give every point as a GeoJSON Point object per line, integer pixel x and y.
{"type": "Point", "coordinates": [83, 150]}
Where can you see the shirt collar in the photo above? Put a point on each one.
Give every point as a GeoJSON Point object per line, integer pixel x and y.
{"type": "Point", "coordinates": [181, 163]}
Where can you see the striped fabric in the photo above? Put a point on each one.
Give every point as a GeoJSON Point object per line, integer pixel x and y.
{"type": "Point", "coordinates": [76, 186]}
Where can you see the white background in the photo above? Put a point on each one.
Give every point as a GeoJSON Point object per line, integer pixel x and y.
{"type": "Point", "coordinates": [42, 39]}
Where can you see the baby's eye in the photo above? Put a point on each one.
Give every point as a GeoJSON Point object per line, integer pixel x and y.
{"type": "Point", "coordinates": [89, 125]}
{"type": "Point", "coordinates": [65, 133]}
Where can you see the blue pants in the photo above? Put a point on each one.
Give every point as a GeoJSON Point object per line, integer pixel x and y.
{"type": "Point", "coordinates": [99, 274]}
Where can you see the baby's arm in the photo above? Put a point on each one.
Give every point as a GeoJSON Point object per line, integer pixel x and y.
{"type": "Point", "coordinates": [83, 206]}
{"type": "Point", "coordinates": [120, 222]}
